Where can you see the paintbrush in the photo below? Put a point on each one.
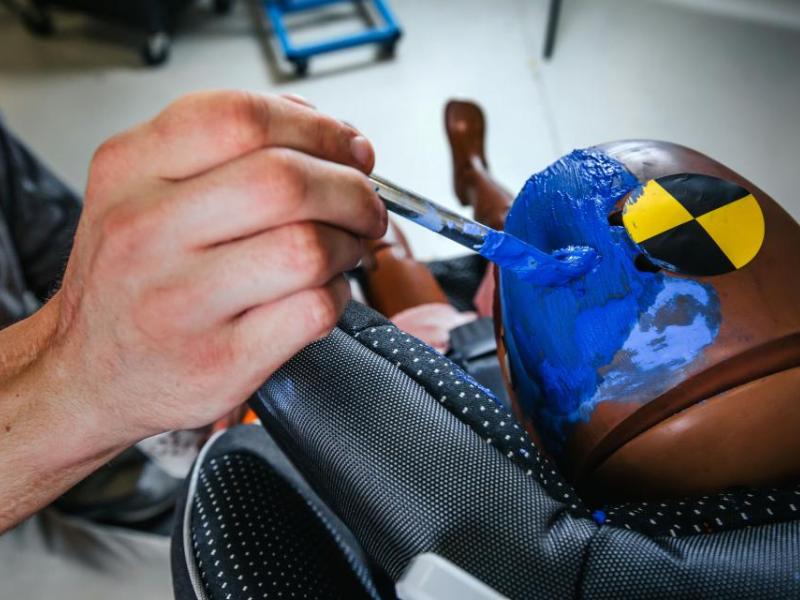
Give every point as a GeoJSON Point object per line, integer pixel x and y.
{"type": "Point", "coordinates": [507, 251]}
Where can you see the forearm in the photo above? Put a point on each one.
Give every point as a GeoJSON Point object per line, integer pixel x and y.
{"type": "Point", "coordinates": [49, 438]}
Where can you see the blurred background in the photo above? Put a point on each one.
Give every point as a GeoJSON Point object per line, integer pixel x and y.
{"type": "Point", "coordinates": [721, 76]}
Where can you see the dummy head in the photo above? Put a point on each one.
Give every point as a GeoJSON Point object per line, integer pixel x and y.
{"type": "Point", "coordinates": [639, 381]}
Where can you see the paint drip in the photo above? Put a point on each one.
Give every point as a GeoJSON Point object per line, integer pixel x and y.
{"type": "Point", "coordinates": [613, 334]}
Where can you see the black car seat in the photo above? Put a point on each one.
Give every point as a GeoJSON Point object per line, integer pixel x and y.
{"type": "Point", "coordinates": [375, 449]}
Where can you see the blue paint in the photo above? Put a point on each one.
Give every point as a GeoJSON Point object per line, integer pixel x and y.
{"type": "Point", "coordinates": [433, 218]}
{"type": "Point", "coordinates": [683, 318]}
{"type": "Point", "coordinates": [532, 265]}
{"type": "Point", "coordinates": [510, 253]}
{"type": "Point", "coordinates": [430, 219]}
{"type": "Point", "coordinates": [599, 517]}
{"type": "Point", "coordinates": [475, 229]}
{"type": "Point", "coordinates": [614, 334]}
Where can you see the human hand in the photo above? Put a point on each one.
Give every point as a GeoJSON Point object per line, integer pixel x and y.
{"type": "Point", "coordinates": [209, 252]}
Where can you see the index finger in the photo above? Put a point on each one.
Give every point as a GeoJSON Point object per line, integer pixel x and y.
{"type": "Point", "coordinates": [206, 129]}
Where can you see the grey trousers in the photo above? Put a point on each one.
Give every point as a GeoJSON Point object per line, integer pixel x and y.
{"type": "Point", "coordinates": [54, 556]}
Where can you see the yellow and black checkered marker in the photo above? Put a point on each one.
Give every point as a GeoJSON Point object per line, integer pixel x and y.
{"type": "Point", "coordinates": [695, 224]}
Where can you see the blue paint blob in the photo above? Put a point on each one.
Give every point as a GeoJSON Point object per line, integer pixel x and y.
{"type": "Point", "coordinates": [599, 517]}
{"type": "Point", "coordinates": [508, 252]}
{"type": "Point", "coordinates": [613, 334]}
{"type": "Point", "coordinates": [430, 219]}
{"type": "Point", "coordinates": [534, 266]}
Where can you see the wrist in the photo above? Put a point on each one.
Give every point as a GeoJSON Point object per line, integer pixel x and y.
{"type": "Point", "coordinates": [23, 343]}
{"type": "Point", "coordinates": [51, 433]}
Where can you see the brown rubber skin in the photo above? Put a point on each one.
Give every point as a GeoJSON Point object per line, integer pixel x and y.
{"type": "Point", "coordinates": [395, 280]}
{"type": "Point", "coordinates": [474, 186]}
{"type": "Point", "coordinates": [741, 437]}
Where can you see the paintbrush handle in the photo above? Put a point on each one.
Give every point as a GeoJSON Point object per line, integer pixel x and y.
{"type": "Point", "coordinates": [506, 251]}
{"type": "Point", "coordinates": [430, 215]}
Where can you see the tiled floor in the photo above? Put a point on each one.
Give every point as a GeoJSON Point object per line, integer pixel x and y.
{"type": "Point", "coordinates": [727, 85]}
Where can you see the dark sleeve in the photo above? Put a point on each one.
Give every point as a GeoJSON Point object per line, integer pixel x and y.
{"type": "Point", "coordinates": [40, 213]}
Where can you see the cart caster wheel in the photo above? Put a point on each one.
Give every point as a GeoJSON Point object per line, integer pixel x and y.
{"type": "Point", "coordinates": [300, 67]}
{"type": "Point", "coordinates": [223, 7]}
{"type": "Point", "coordinates": [38, 22]}
{"type": "Point", "coordinates": [389, 48]}
{"type": "Point", "coordinates": [155, 50]}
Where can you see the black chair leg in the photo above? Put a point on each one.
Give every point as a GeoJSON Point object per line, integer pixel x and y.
{"type": "Point", "coordinates": [155, 49]}
{"type": "Point", "coordinates": [33, 15]}
{"type": "Point", "coordinates": [552, 26]}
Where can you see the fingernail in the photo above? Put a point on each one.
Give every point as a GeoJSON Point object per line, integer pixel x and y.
{"type": "Point", "coordinates": [361, 150]}
{"type": "Point", "coordinates": [383, 219]}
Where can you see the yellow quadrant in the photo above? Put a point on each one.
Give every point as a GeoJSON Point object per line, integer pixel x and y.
{"type": "Point", "coordinates": [654, 211]}
{"type": "Point", "coordinates": [738, 229]}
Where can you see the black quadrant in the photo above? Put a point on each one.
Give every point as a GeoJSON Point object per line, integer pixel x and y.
{"type": "Point", "coordinates": [700, 194]}
{"type": "Point", "coordinates": [689, 249]}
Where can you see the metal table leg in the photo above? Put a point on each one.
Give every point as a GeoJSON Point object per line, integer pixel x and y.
{"type": "Point", "coordinates": [552, 25]}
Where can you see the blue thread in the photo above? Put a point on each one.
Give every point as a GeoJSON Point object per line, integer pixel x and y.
{"type": "Point", "coordinates": [615, 333]}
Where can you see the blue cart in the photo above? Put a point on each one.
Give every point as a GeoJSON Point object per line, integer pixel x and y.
{"type": "Point", "coordinates": [386, 35]}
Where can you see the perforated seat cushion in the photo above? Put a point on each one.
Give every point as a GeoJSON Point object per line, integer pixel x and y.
{"type": "Point", "coordinates": [408, 474]}
{"type": "Point", "coordinates": [476, 407]}
{"type": "Point", "coordinates": [251, 528]}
